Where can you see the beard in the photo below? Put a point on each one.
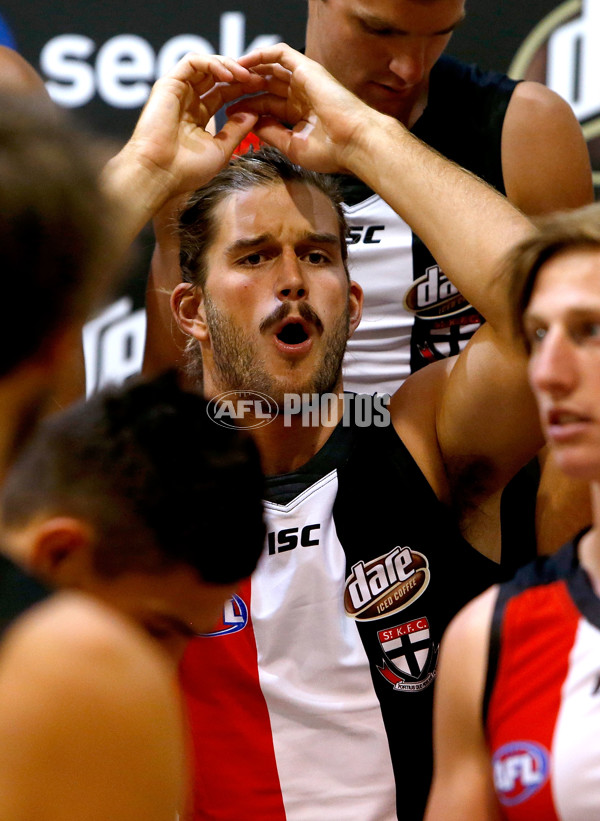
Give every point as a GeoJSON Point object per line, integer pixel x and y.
{"type": "Point", "coordinates": [239, 366]}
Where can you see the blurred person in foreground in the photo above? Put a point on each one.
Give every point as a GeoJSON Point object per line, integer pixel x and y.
{"type": "Point", "coordinates": [90, 725]}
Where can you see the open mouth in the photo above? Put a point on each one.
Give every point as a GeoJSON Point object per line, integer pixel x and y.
{"type": "Point", "coordinates": [293, 333]}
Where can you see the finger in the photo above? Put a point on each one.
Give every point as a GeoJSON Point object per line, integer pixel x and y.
{"type": "Point", "coordinates": [237, 127]}
{"type": "Point", "coordinates": [279, 53]}
{"type": "Point", "coordinates": [273, 70]}
{"type": "Point", "coordinates": [268, 105]}
{"type": "Point", "coordinates": [224, 93]}
{"type": "Point", "coordinates": [195, 68]}
{"type": "Point", "coordinates": [273, 133]}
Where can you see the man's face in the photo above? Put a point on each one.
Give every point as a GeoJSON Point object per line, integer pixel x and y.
{"type": "Point", "coordinates": [172, 604]}
{"type": "Point", "coordinates": [562, 323]}
{"type": "Point", "coordinates": [382, 50]}
{"type": "Point", "coordinates": [277, 304]}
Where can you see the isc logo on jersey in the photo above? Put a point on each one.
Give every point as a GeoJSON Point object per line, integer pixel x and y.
{"type": "Point", "coordinates": [563, 52]}
{"type": "Point", "coordinates": [386, 585]}
{"type": "Point", "coordinates": [521, 769]}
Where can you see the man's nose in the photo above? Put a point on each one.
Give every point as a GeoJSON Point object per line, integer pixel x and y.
{"type": "Point", "coordinates": [291, 283]}
{"type": "Point", "coordinates": [552, 367]}
{"type": "Point", "coordinates": [408, 62]}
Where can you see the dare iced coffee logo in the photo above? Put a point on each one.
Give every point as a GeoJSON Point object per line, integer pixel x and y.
{"type": "Point", "coordinates": [386, 585]}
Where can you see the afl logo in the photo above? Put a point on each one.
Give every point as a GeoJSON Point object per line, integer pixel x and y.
{"type": "Point", "coordinates": [521, 769]}
{"type": "Point", "coordinates": [250, 409]}
{"type": "Point", "coordinates": [563, 52]}
{"type": "Point", "coordinates": [234, 619]}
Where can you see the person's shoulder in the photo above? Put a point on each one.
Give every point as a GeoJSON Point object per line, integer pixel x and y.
{"type": "Point", "coordinates": [537, 101]}
{"type": "Point", "coordinates": [89, 717]}
{"type": "Point", "coordinates": [73, 649]}
{"type": "Point", "coordinates": [471, 625]}
{"type": "Point", "coordinates": [73, 621]}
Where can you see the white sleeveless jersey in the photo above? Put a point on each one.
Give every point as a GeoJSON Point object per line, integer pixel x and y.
{"type": "Point", "coordinates": [378, 356]}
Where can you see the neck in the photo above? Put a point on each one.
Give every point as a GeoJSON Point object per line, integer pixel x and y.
{"type": "Point", "coordinates": [286, 444]}
{"type": "Point", "coordinates": [291, 438]}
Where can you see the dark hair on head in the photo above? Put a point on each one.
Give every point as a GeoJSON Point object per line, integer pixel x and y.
{"type": "Point", "coordinates": [568, 231]}
{"type": "Point", "coordinates": [159, 481]}
{"type": "Point", "coordinates": [267, 166]}
{"type": "Point", "coordinates": [53, 224]}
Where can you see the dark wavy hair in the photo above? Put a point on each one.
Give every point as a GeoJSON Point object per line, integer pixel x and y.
{"type": "Point", "coordinates": [159, 481]}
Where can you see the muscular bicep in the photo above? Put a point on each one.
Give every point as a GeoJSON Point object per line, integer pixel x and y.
{"type": "Point", "coordinates": [487, 419]}
{"type": "Point", "coordinates": [462, 784]}
{"type": "Point", "coordinates": [545, 160]}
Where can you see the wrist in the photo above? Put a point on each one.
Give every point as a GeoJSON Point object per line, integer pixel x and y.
{"type": "Point", "coordinates": [376, 137]}
{"type": "Point", "coordinates": [139, 190]}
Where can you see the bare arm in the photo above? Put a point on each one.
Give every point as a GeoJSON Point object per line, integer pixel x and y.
{"type": "Point", "coordinates": [462, 784]}
{"type": "Point", "coordinates": [90, 727]}
{"type": "Point", "coordinates": [545, 160]}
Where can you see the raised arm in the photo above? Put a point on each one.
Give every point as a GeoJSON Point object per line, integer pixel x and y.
{"type": "Point", "coordinates": [462, 779]}
{"type": "Point", "coordinates": [465, 223]}
{"type": "Point", "coordinates": [470, 422]}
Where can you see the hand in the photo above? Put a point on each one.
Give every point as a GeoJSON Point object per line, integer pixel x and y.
{"type": "Point", "coordinates": [171, 150]}
{"type": "Point", "coordinates": [305, 112]}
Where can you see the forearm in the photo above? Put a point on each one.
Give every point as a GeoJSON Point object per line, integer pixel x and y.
{"type": "Point", "coordinates": [137, 191]}
{"type": "Point", "coordinates": [466, 225]}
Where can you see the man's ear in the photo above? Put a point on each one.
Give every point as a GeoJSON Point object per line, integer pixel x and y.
{"type": "Point", "coordinates": [187, 305]}
{"type": "Point", "coordinates": [355, 306]}
{"type": "Point", "coordinates": [61, 550]}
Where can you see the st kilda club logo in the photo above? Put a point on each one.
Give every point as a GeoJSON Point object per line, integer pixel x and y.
{"type": "Point", "coordinates": [563, 53]}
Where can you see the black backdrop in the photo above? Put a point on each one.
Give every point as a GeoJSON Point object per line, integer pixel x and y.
{"type": "Point", "coordinates": [100, 58]}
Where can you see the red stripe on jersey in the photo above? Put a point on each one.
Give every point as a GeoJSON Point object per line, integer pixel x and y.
{"type": "Point", "coordinates": [234, 768]}
{"type": "Point", "coordinates": [538, 632]}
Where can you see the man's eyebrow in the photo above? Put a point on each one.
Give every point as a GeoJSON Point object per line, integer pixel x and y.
{"type": "Point", "coordinates": [372, 21]}
{"type": "Point", "coordinates": [321, 238]}
{"type": "Point", "coordinates": [247, 243]}
{"type": "Point", "coordinates": [239, 246]}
